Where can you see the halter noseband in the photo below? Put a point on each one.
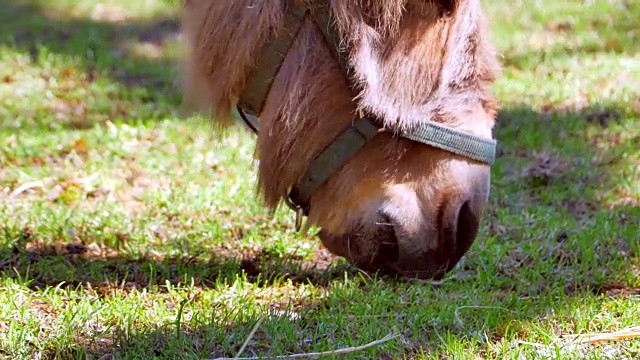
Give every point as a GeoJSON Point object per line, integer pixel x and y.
{"type": "Point", "coordinates": [363, 128]}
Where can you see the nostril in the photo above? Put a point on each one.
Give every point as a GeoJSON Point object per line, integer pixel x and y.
{"type": "Point", "coordinates": [466, 229]}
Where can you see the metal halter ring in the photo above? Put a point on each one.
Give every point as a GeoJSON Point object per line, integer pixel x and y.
{"type": "Point", "coordinates": [299, 210]}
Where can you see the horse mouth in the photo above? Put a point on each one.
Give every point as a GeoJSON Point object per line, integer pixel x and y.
{"type": "Point", "coordinates": [378, 251]}
{"type": "Point", "coordinates": [371, 251]}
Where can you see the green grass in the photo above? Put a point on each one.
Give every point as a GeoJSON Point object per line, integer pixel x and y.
{"type": "Point", "coordinates": [140, 237]}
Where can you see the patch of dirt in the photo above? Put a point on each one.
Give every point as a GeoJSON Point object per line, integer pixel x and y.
{"type": "Point", "coordinates": [545, 168]}
{"type": "Point", "coordinates": [37, 249]}
{"type": "Point", "coordinates": [568, 106]}
{"type": "Point", "coordinates": [617, 290]}
{"type": "Point", "coordinates": [559, 26]}
{"type": "Point", "coordinates": [603, 117]}
{"type": "Point", "coordinates": [624, 197]}
{"type": "Point", "coordinates": [579, 208]}
{"type": "Point", "coordinates": [609, 139]}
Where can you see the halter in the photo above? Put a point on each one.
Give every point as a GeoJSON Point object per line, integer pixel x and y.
{"type": "Point", "coordinates": [363, 128]}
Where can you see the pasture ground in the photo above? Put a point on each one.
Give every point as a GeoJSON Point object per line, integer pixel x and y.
{"type": "Point", "coordinates": [125, 232]}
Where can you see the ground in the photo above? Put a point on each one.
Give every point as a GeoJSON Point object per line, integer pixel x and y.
{"type": "Point", "coordinates": [126, 231]}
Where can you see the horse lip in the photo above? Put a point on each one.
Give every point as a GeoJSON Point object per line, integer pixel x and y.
{"type": "Point", "coordinates": [397, 270]}
{"type": "Point", "coordinates": [429, 272]}
{"type": "Point", "coordinates": [388, 244]}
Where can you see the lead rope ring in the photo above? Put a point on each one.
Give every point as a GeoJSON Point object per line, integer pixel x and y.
{"type": "Point", "coordinates": [297, 209]}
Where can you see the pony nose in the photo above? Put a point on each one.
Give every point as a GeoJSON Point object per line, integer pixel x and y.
{"type": "Point", "coordinates": [458, 226]}
{"type": "Point", "coordinates": [464, 232]}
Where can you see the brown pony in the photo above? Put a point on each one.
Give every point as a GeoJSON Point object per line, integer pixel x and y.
{"type": "Point", "coordinates": [397, 205]}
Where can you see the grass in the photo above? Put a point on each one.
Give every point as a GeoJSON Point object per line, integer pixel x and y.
{"type": "Point", "coordinates": [139, 237]}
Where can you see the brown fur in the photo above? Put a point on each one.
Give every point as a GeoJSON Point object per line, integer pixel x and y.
{"type": "Point", "coordinates": [414, 60]}
{"type": "Point", "coordinates": [223, 40]}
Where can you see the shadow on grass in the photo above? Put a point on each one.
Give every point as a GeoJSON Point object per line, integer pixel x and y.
{"type": "Point", "coordinates": [563, 190]}
{"type": "Point", "coordinates": [105, 273]}
{"type": "Point", "coordinates": [75, 264]}
{"type": "Point", "coordinates": [149, 82]}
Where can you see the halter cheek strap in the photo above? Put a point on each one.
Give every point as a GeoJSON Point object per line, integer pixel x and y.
{"type": "Point", "coordinates": [363, 129]}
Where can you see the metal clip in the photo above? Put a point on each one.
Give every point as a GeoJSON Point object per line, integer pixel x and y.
{"type": "Point", "coordinates": [299, 216]}
{"type": "Point", "coordinates": [297, 209]}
